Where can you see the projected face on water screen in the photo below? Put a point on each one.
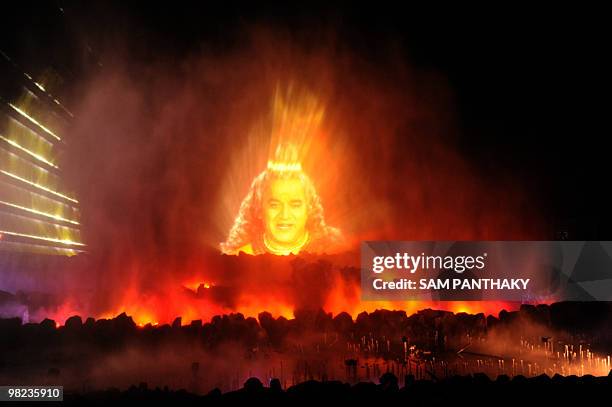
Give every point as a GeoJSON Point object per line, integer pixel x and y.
{"type": "Point", "coordinates": [281, 214]}
{"type": "Point", "coordinates": [285, 213]}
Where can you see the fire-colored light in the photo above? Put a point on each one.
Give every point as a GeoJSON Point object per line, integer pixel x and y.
{"type": "Point", "coordinates": [143, 324]}
{"type": "Point", "coordinates": [44, 238]}
{"type": "Point", "coordinates": [41, 213]}
{"type": "Point", "coordinates": [291, 141]}
{"type": "Point", "coordinates": [38, 186]}
{"type": "Point", "coordinates": [284, 167]}
{"type": "Point", "coordinates": [33, 120]}
{"type": "Point", "coordinates": [25, 150]}
{"type": "Point", "coordinates": [194, 286]}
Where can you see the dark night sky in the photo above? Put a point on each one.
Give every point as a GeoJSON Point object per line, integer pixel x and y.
{"type": "Point", "coordinates": [525, 81]}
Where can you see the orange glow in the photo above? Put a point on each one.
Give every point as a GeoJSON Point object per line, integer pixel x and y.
{"type": "Point", "coordinates": [188, 301]}
{"type": "Point", "coordinates": [63, 312]}
{"type": "Point", "coordinates": [383, 158]}
{"type": "Point", "coordinates": [252, 307]}
{"type": "Point", "coordinates": [193, 286]}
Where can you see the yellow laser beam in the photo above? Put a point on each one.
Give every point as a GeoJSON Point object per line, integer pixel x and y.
{"type": "Point", "coordinates": [62, 106]}
{"type": "Point", "coordinates": [37, 212]}
{"type": "Point", "coordinates": [33, 120]}
{"type": "Point", "coordinates": [25, 150]}
{"type": "Point", "coordinates": [37, 186]}
{"type": "Point", "coordinates": [44, 238]}
{"type": "Point", "coordinates": [38, 248]}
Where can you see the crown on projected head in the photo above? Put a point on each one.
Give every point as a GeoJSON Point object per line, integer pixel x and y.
{"type": "Point", "coordinates": [285, 159]}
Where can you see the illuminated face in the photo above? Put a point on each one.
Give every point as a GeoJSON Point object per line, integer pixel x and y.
{"type": "Point", "coordinates": [285, 212]}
